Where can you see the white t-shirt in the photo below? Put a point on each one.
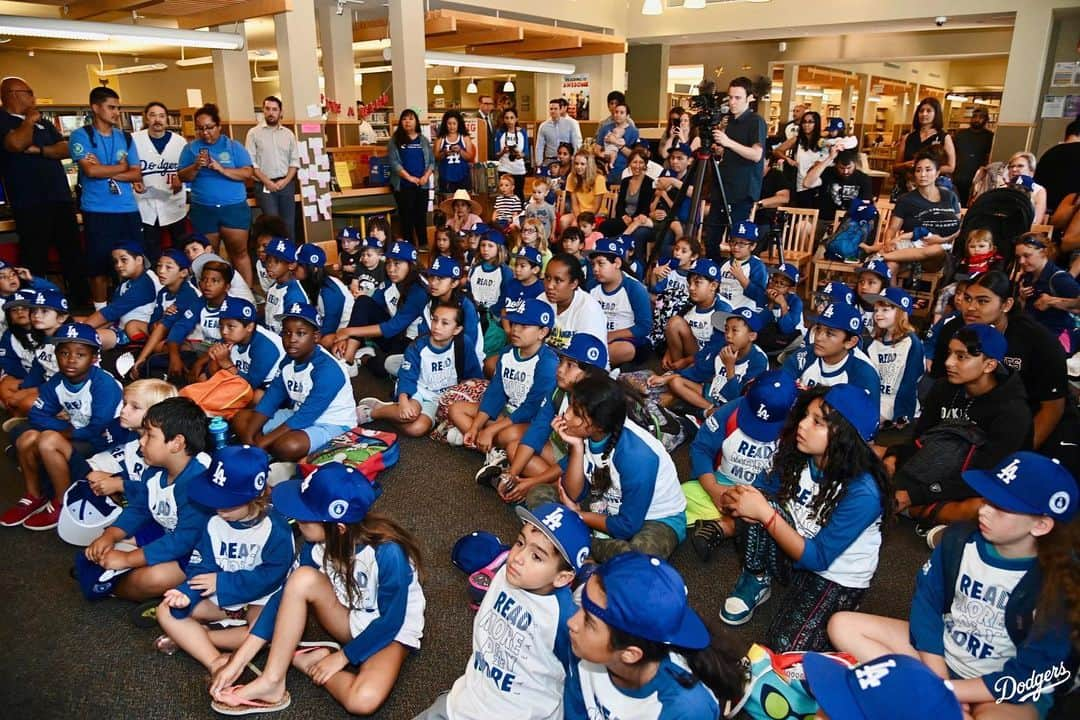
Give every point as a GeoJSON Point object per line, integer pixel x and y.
{"type": "Point", "coordinates": [583, 316]}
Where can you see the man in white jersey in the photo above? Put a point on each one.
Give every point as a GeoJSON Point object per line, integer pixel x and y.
{"type": "Point", "coordinates": [160, 194]}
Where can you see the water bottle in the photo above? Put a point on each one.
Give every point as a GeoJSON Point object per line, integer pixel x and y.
{"type": "Point", "coordinates": [219, 431]}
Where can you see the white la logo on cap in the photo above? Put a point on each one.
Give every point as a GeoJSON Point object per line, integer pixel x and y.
{"type": "Point", "coordinates": [871, 674]}
{"type": "Point", "coordinates": [219, 474]}
{"type": "Point", "coordinates": [295, 308]}
{"type": "Point", "coordinates": [593, 353]}
{"type": "Point", "coordinates": [742, 229]}
{"type": "Point", "coordinates": [553, 520]}
{"type": "Point", "coordinates": [337, 509]}
{"type": "Point", "coordinates": [73, 332]}
{"type": "Point", "coordinates": [829, 311]}
{"type": "Point", "coordinates": [40, 298]}
{"type": "Point", "coordinates": [397, 248]}
{"type": "Point", "coordinates": [763, 412]}
{"type": "Point", "coordinates": [224, 305]}
{"type": "Point", "coordinates": [281, 246]}
{"type": "Point", "coordinates": [1059, 502]}
{"type": "Point", "coordinates": [1008, 473]}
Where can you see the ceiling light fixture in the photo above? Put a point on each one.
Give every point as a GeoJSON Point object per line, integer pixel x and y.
{"type": "Point", "coordinates": [508, 86]}
{"type": "Point", "coordinates": [438, 89]}
{"type": "Point", "coordinates": [471, 89]}
{"type": "Point", "coordinates": [129, 69]}
{"type": "Point", "coordinates": [694, 4]}
{"type": "Point", "coordinates": [492, 62]}
{"type": "Point", "coordinates": [652, 7]}
{"type": "Point", "coordinates": [79, 30]}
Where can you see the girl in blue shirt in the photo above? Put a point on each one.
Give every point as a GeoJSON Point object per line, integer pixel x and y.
{"type": "Point", "coordinates": [443, 278]}
{"type": "Point", "coordinates": [359, 575]}
{"type": "Point", "coordinates": [817, 525]}
{"type": "Point", "coordinates": [454, 150]}
{"type": "Point", "coordinates": [241, 559]}
{"type": "Point", "coordinates": [328, 294]}
{"type": "Point", "coordinates": [489, 278]}
{"type": "Point", "coordinates": [390, 318]}
{"type": "Point", "coordinates": [126, 318]}
{"type": "Point", "coordinates": [896, 352]}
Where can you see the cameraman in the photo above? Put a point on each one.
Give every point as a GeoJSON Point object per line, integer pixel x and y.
{"type": "Point", "coordinates": [741, 166]}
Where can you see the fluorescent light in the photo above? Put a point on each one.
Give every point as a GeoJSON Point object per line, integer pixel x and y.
{"type": "Point", "coordinates": [265, 78]}
{"type": "Point", "coordinates": [472, 89]}
{"type": "Point", "coordinates": [694, 4]}
{"type": "Point", "coordinates": [957, 98]}
{"type": "Point", "coordinates": [492, 62]}
{"type": "Point", "coordinates": [438, 89]}
{"type": "Point", "coordinates": [131, 69]}
{"type": "Point", "coordinates": [652, 7]}
{"type": "Point", "coordinates": [508, 86]}
{"type": "Point", "coordinates": [79, 30]}
{"type": "Point", "coordinates": [373, 69]}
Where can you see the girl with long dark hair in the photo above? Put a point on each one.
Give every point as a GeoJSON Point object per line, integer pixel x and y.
{"type": "Point", "coordinates": [411, 164]}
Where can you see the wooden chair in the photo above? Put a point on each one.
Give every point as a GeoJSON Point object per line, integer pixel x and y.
{"type": "Point", "coordinates": [796, 238]}
{"type": "Point", "coordinates": [606, 206]}
{"type": "Point", "coordinates": [885, 211]}
{"type": "Point", "coordinates": [1048, 230]}
{"type": "Point", "coordinates": [560, 203]}
{"type": "Point", "coordinates": [329, 247]}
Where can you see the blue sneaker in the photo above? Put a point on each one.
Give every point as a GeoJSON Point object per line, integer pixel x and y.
{"type": "Point", "coordinates": [750, 592]}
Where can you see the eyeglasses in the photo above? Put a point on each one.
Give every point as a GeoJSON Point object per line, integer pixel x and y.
{"type": "Point", "coordinates": [205, 128]}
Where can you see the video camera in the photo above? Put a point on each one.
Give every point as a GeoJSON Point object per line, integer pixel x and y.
{"type": "Point", "coordinates": [711, 107]}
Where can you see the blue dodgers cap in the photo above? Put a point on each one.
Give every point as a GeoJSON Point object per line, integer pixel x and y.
{"type": "Point", "coordinates": [860, 209]}
{"type": "Point", "coordinates": [531, 254]}
{"type": "Point", "coordinates": [283, 248]}
{"type": "Point", "coordinates": [1025, 181]}
{"type": "Point", "coordinates": [1029, 483]}
{"type": "Point", "coordinates": [20, 299]}
{"type": "Point", "coordinates": [443, 266]}
{"type": "Point", "coordinates": [331, 493]}
{"type": "Point", "coordinates": [992, 343]}
{"type": "Point", "coordinates": [647, 598]}
{"type": "Point", "coordinates": [348, 233]}
{"type": "Point", "coordinates": [754, 320]}
{"type": "Point", "coordinates": [76, 333]}
{"type": "Point", "coordinates": [879, 268]}
{"type": "Point", "coordinates": [311, 255]}
{"type": "Point", "coordinates": [764, 408]}
{"type": "Point", "coordinates": [402, 250]}
{"type": "Point", "coordinates": [564, 528]}
{"type": "Point", "coordinates": [840, 316]}
{"type": "Point", "coordinates": [745, 230]}
{"type": "Point", "coordinates": [479, 228]}
{"type": "Point", "coordinates": [530, 311]}
{"type": "Point", "coordinates": [476, 550]}
{"type": "Point", "coordinates": [608, 246]}
{"type": "Point", "coordinates": [373, 242]}
{"type": "Point", "coordinates": [196, 237]}
{"type": "Point", "coordinates": [133, 249]}
{"type": "Point", "coordinates": [234, 308]}
{"type": "Point", "coordinates": [706, 269]}
{"type": "Point", "coordinates": [237, 476]}
{"type": "Point", "coordinates": [585, 348]}
{"type": "Point", "coordinates": [494, 236]}
{"type": "Point", "coordinates": [791, 272]}
{"type": "Point", "coordinates": [835, 125]}
{"type": "Point", "coordinates": [881, 689]}
{"type": "Point", "coordinates": [178, 257]}
{"type": "Point", "coordinates": [894, 296]}
{"type": "Point", "coordinates": [857, 407]}
{"type": "Point", "coordinates": [837, 291]}
{"type": "Point", "coordinates": [302, 311]}
{"type": "Point", "coordinates": [682, 147]}
{"type": "Point", "coordinates": [51, 299]}
{"type": "Point", "coordinates": [96, 582]}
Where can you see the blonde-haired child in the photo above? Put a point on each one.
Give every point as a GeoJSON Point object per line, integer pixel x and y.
{"type": "Point", "coordinates": [507, 204]}
{"type": "Point", "coordinates": [896, 352]}
{"type": "Point", "coordinates": [533, 235]}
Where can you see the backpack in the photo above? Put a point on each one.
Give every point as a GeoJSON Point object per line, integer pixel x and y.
{"type": "Point", "coordinates": [369, 451]}
{"type": "Point", "coordinates": [221, 394]}
{"type": "Point", "coordinates": [776, 688]}
{"type": "Point", "coordinates": [844, 245]}
{"type": "Point", "coordinates": [663, 424]}
{"type": "Point", "coordinates": [942, 453]}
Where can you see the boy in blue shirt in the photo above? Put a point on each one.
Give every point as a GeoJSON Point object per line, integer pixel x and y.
{"type": "Point", "coordinates": [175, 297]}
{"type": "Point", "coordinates": [286, 290]}
{"type": "Point", "coordinates": [625, 301]}
{"type": "Point", "coordinates": [246, 349]}
{"type": "Point", "coordinates": [125, 319]}
{"type": "Point", "coordinates": [199, 326]}
{"type": "Point", "coordinates": [90, 398]}
{"type": "Point", "coordinates": [784, 309]}
{"type": "Point", "coordinates": [834, 357]}
{"type": "Point", "coordinates": [308, 403]}
{"type": "Point", "coordinates": [159, 514]}
{"type": "Point", "coordinates": [743, 277]}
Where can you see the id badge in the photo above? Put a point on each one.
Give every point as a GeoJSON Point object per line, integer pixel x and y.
{"type": "Point", "coordinates": [114, 187]}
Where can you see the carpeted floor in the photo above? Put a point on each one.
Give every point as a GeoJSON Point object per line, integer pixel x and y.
{"type": "Point", "coordinates": [65, 658]}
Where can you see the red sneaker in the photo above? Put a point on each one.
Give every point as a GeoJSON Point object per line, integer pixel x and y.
{"type": "Point", "coordinates": [45, 519]}
{"type": "Point", "coordinates": [24, 508]}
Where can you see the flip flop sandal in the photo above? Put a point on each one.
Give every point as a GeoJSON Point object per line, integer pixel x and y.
{"type": "Point", "coordinates": [243, 706]}
{"type": "Point", "coordinates": [166, 645]}
{"type": "Point", "coordinates": [145, 614]}
{"type": "Point", "coordinates": [307, 646]}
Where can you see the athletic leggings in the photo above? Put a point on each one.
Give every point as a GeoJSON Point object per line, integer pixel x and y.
{"type": "Point", "coordinates": [412, 212]}
{"type": "Point", "coordinates": [803, 614]}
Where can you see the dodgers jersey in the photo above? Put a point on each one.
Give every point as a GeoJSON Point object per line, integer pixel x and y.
{"type": "Point", "coordinates": [125, 460]}
{"type": "Point", "coordinates": [42, 369]}
{"type": "Point", "coordinates": [627, 307]}
{"type": "Point", "coordinates": [405, 315]}
{"type": "Point", "coordinates": [488, 284]}
{"type": "Point", "coordinates": [810, 370]}
{"type": "Point", "coordinates": [753, 295]}
{"type": "Point", "coordinates": [521, 652]}
{"type": "Point", "coordinates": [899, 365]}
{"type": "Point", "coordinates": [317, 390]}
{"type": "Point", "coordinates": [259, 360]}
{"type": "Point", "coordinates": [199, 323]}
{"type": "Point", "coordinates": [90, 405]}
{"type": "Point", "coordinates": [709, 371]}
{"type": "Point", "coordinates": [700, 321]}
{"type": "Point", "coordinates": [583, 315]}
{"type": "Point", "coordinates": [590, 695]}
{"type": "Point", "coordinates": [735, 457]}
{"type": "Point", "coordinates": [335, 304]}
{"type": "Point", "coordinates": [519, 384]}
{"type": "Point", "coordinates": [278, 297]}
{"type": "Point", "coordinates": [16, 359]}
{"type": "Point", "coordinates": [133, 300]}
{"type": "Point", "coordinates": [428, 370]}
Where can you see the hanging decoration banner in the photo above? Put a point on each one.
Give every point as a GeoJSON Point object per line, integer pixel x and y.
{"type": "Point", "coordinates": [575, 89]}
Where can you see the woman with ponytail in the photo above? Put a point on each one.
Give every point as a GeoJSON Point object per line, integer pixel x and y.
{"type": "Point", "coordinates": [619, 474]}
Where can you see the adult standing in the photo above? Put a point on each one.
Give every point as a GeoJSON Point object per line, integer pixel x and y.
{"type": "Point", "coordinates": [554, 131]}
{"type": "Point", "coordinates": [623, 135]}
{"type": "Point", "coordinates": [275, 159]}
{"type": "Point", "coordinates": [411, 164]}
{"type": "Point", "coordinates": [802, 152]}
{"type": "Point", "coordinates": [1056, 170]}
{"type": "Point", "coordinates": [972, 145]}
{"type": "Point", "coordinates": [927, 133]}
{"type": "Point", "coordinates": [488, 122]}
{"type": "Point", "coordinates": [454, 152]}
{"type": "Point", "coordinates": [679, 132]}
{"type": "Point", "coordinates": [108, 165]}
{"type": "Point", "coordinates": [31, 150]}
{"type": "Point", "coordinates": [741, 166]}
{"type": "Point", "coordinates": [512, 148]}
{"type": "Point", "coordinates": [218, 168]}
{"type": "Point", "coordinates": [160, 194]}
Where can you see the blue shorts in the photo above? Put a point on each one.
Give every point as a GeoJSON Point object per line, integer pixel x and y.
{"type": "Point", "coordinates": [104, 231]}
{"type": "Point", "coordinates": [209, 219]}
{"type": "Point", "coordinates": [318, 434]}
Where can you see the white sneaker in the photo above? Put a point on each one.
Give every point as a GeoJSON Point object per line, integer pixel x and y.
{"type": "Point", "coordinates": [933, 537]}
{"type": "Point", "coordinates": [363, 352]}
{"type": "Point", "coordinates": [496, 457]}
{"type": "Point", "coordinates": [352, 369]}
{"type": "Point", "coordinates": [365, 409]}
{"type": "Point", "coordinates": [455, 437]}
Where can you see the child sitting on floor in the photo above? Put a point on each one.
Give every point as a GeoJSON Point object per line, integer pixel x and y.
{"type": "Point", "coordinates": [125, 319]}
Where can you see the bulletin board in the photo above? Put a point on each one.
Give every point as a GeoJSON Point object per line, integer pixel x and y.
{"type": "Point", "coordinates": [314, 179]}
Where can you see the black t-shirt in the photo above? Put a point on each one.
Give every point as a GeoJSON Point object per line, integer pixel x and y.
{"type": "Point", "coordinates": [32, 179]}
{"type": "Point", "coordinates": [742, 177]}
{"type": "Point", "coordinates": [773, 182]}
{"type": "Point", "coordinates": [941, 218]}
{"type": "Point", "coordinates": [972, 152]}
{"type": "Point", "coordinates": [837, 192]}
{"type": "Point", "coordinates": [1057, 172]}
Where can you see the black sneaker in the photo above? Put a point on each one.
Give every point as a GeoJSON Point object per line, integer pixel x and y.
{"type": "Point", "coordinates": [488, 476]}
{"type": "Point", "coordinates": [145, 614]}
{"type": "Point", "coordinates": [707, 537]}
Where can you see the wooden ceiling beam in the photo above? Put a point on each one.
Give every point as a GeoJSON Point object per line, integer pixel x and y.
{"type": "Point", "coordinates": [611, 48]}
{"type": "Point", "coordinates": [434, 26]}
{"type": "Point", "coordinates": [509, 36]}
{"type": "Point", "coordinates": [92, 8]}
{"type": "Point", "coordinates": [233, 13]}
{"type": "Point", "coordinates": [530, 28]}
{"type": "Point", "coordinates": [550, 44]}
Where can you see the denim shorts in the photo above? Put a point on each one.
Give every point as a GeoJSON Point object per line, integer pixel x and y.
{"type": "Point", "coordinates": [318, 435]}
{"type": "Point", "coordinates": [211, 218]}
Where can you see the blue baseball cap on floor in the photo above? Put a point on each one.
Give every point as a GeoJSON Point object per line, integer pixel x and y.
{"type": "Point", "coordinates": [647, 598]}
{"type": "Point", "coordinates": [585, 348]}
{"type": "Point", "coordinates": [840, 316]}
{"type": "Point", "coordinates": [283, 248]}
{"type": "Point", "coordinates": [331, 493]}
{"type": "Point", "coordinates": [564, 528]}
{"type": "Point", "coordinates": [311, 255]}
{"type": "Point", "coordinates": [882, 689]}
{"type": "Point", "coordinates": [237, 476]}
{"type": "Point", "coordinates": [402, 250]}
{"type": "Point", "coordinates": [764, 408]}
{"type": "Point", "coordinates": [443, 266]}
{"type": "Point", "coordinates": [234, 308]}
{"type": "Point", "coordinates": [857, 407]}
{"type": "Point", "coordinates": [476, 550]}
{"type": "Point", "coordinates": [302, 311]}
{"type": "Point", "coordinates": [1029, 483]}
{"type": "Point", "coordinates": [530, 311]}
{"type": "Point", "coordinates": [76, 333]}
